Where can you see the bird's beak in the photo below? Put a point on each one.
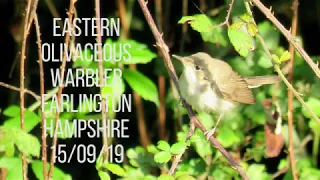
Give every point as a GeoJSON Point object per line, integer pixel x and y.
{"type": "Point", "coordinates": [180, 58]}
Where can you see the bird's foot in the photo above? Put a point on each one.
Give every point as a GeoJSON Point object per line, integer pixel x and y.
{"type": "Point", "coordinates": [210, 133]}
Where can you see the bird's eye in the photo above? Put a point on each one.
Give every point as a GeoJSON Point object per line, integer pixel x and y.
{"type": "Point", "coordinates": [197, 67]}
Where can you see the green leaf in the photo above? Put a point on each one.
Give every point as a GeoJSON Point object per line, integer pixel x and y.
{"type": "Point", "coordinates": [219, 173]}
{"type": "Point", "coordinates": [37, 168]}
{"type": "Point", "coordinates": [270, 34]}
{"type": "Point", "coordinates": [203, 148]}
{"type": "Point", "coordinates": [140, 54]}
{"type": "Point", "coordinates": [162, 157]}
{"type": "Point", "coordinates": [141, 85]}
{"type": "Point", "coordinates": [117, 88]}
{"type": "Point", "coordinates": [237, 25]}
{"type": "Point", "coordinates": [206, 119]}
{"type": "Point", "coordinates": [65, 126]}
{"type": "Point", "coordinates": [139, 158]}
{"type": "Point", "coordinates": [83, 59]}
{"type": "Point", "coordinates": [246, 17]}
{"type": "Point", "coordinates": [152, 149]}
{"type": "Point", "coordinates": [116, 169]}
{"type": "Point", "coordinates": [314, 104]}
{"type": "Point", "coordinates": [315, 126]}
{"type": "Point", "coordinates": [257, 153]}
{"type": "Point", "coordinates": [254, 112]}
{"type": "Point", "coordinates": [185, 177]}
{"type": "Point", "coordinates": [7, 146]}
{"type": "Point", "coordinates": [103, 175]}
{"type": "Point", "coordinates": [31, 118]}
{"type": "Point", "coordinates": [264, 61]}
{"type": "Point", "coordinates": [309, 173]}
{"type": "Point", "coordinates": [127, 52]}
{"type": "Point", "coordinates": [25, 142]}
{"type": "Point", "coordinates": [304, 163]}
{"type": "Point", "coordinates": [282, 164]}
{"type": "Point", "coordinates": [241, 41]}
{"type": "Point", "coordinates": [163, 145]}
{"type": "Point", "coordinates": [241, 66]}
{"type": "Point", "coordinates": [12, 111]}
{"type": "Point", "coordinates": [216, 36]}
{"type": "Point", "coordinates": [227, 137]}
{"type": "Point", "coordinates": [258, 171]}
{"type": "Point", "coordinates": [252, 29]}
{"type": "Point", "coordinates": [180, 173]}
{"type": "Point", "coordinates": [13, 166]}
{"type": "Point", "coordinates": [285, 56]}
{"type": "Point", "coordinates": [276, 58]}
{"type": "Point", "coordinates": [198, 22]}
{"type": "Point", "coordinates": [165, 177]}
{"type": "Point", "coordinates": [178, 148]}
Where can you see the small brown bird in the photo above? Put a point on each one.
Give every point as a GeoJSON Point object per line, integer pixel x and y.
{"type": "Point", "coordinates": [210, 85]}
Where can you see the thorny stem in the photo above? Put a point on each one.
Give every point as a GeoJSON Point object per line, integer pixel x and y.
{"type": "Point", "coordinates": [101, 77]}
{"type": "Point", "coordinates": [22, 88]}
{"type": "Point", "coordinates": [62, 70]}
{"type": "Point", "coordinates": [295, 5]}
{"type": "Point", "coordinates": [43, 117]}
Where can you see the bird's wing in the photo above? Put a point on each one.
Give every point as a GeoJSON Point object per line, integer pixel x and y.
{"type": "Point", "coordinates": [234, 88]}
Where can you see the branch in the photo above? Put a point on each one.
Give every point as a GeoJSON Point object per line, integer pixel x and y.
{"type": "Point", "coordinates": [294, 23]}
{"type": "Point", "coordinates": [226, 22]}
{"type": "Point", "coordinates": [194, 120]}
{"type": "Point", "coordinates": [62, 70]}
{"type": "Point", "coordinates": [43, 116]}
{"type": "Point", "coordinates": [293, 41]}
{"type": "Point", "coordinates": [18, 89]}
{"type": "Point", "coordinates": [22, 90]}
{"type": "Point", "coordinates": [101, 77]}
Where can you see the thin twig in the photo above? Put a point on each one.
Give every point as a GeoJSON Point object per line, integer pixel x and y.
{"type": "Point", "coordinates": [22, 90]}
{"type": "Point", "coordinates": [62, 70]}
{"type": "Point", "coordinates": [18, 89]}
{"type": "Point", "coordinates": [281, 171]}
{"type": "Point", "coordinates": [175, 163]}
{"type": "Point", "coordinates": [288, 36]}
{"type": "Point", "coordinates": [295, 5]}
{"type": "Point", "coordinates": [194, 120]}
{"type": "Point", "coordinates": [101, 77]}
{"type": "Point", "coordinates": [54, 12]}
{"type": "Point", "coordinates": [304, 142]}
{"type": "Point", "coordinates": [32, 14]}
{"type": "Point", "coordinates": [43, 116]}
{"type": "Point", "coordinates": [226, 21]}
{"type": "Point", "coordinates": [48, 96]}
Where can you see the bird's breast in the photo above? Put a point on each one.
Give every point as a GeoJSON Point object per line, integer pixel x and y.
{"type": "Point", "coordinates": [199, 94]}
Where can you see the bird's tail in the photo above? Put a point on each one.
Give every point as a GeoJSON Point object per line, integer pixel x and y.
{"type": "Point", "coordinates": [257, 81]}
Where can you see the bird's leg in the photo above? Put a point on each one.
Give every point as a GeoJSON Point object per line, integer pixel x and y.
{"type": "Point", "coordinates": [212, 131]}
